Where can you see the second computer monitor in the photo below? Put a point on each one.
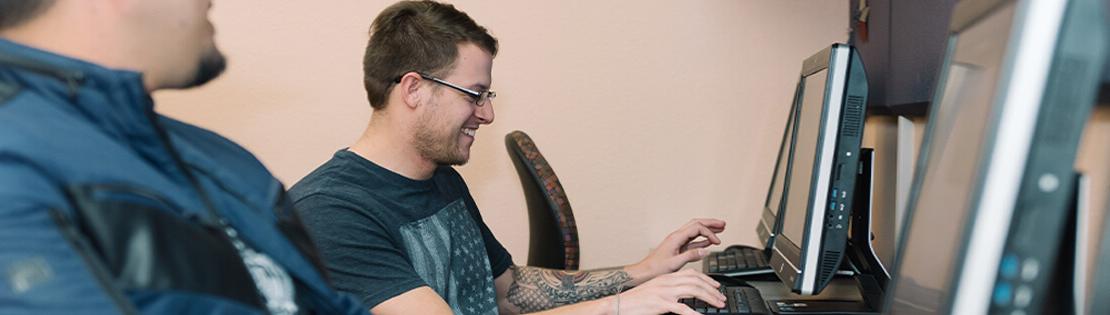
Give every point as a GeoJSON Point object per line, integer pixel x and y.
{"type": "Point", "coordinates": [770, 223]}
{"type": "Point", "coordinates": [830, 107]}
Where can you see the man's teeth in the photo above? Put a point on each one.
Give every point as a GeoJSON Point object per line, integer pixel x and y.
{"type": "Point", "coordinates": [469, 132]}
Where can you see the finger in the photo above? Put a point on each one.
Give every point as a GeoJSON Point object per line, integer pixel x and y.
{"type": "Point", "coordinates": [708, 234]}
{"type": "Point", "coordinates": [703, 291]}
{"type": "Point", "coordinates": [689, 256]}
{"type": "Point", "coordinates": [681, 309]}
{"type": "Point", "coordinates": [693, 285]}
{"type": "Point", "coordinates": [713, 224]}
{"type": "Point", "coordinates": [682, 235]}
{"type": "Point", "coordinates": [697, 276]}
{"type": "Point", "coordinates": [696, 245]}
{"type": "Point", "coordinates": [690, 232]}
{"type": "Point", "coordinates": [702, 231]}
{"type": "Point", "coordinates": [695, 230]}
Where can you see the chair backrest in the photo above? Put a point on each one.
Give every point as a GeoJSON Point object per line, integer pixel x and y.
{"type": "Point", "coordinates": [553, 240]}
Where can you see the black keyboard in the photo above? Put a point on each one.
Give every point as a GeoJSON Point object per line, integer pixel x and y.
{"type": "Point", "coordinates": [738, 300]}
{"type": "Point", "coordinates": [735, 259]}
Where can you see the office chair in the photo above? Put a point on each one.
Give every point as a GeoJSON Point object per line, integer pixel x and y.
{"type": "Point", "coordinates": [553, 234]}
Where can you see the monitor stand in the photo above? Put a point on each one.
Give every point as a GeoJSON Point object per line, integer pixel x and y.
{"type": "Point", "coordinates": [870, 275]}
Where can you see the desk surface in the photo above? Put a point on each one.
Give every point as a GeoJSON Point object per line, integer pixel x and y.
{"type": "Point", "coordinates": [840, 288]}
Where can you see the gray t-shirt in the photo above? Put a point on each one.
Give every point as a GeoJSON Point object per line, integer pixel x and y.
{"type": "Point", "coordinates": [382, 234]}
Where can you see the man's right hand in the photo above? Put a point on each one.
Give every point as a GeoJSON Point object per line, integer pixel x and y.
{"type": "Point", "coordinates": [661, 294]}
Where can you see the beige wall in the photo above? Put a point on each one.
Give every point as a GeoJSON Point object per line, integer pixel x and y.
{"type": "Point", "coordinates": [651, 112]}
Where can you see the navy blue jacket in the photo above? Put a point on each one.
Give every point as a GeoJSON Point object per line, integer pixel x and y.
{"type": "Point", "coordinates": [108, 207]}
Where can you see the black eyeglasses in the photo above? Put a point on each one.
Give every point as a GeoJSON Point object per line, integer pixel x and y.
{"type": "Point", "coordinates": [480, 98]}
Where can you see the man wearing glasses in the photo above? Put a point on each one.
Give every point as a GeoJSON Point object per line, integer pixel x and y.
{"type": "Point", "coordinates": [396, 224]}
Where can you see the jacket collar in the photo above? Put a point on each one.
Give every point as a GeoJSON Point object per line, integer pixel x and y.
{"type": "Point", "coordinates": [114, 100]}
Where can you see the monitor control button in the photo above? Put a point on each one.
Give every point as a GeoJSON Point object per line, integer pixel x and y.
{"type": "Point", "coordinates": [1030, 269]}
{"type": "Point", "coordinates": [1048, 183]}
{"type": "Point", "coordinates": [1023, 296]}
{"type": "Point", "coordinates": [1002, 293]}
{"type": "Point", "coordinates": [1009, 267]}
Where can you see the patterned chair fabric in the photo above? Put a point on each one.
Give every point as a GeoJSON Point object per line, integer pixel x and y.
{"type": "Point", "coordinates": [553, 235]}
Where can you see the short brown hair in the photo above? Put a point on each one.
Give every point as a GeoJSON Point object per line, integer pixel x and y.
{"type": "Point", "coordinates": [416, 36]}
{"type": "Point", "coordinates": [15, 12]}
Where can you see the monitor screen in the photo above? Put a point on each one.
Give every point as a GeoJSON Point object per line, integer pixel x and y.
{"type": "Point", "coordinates": [774, 195]}
{"type": "Point", "coordinates": [805, 153]}
{"type": "Point", "coordinates": [951, 167]}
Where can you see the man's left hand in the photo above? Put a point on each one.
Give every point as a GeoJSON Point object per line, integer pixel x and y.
{"type": "Point", "coordinates": [687, 244]}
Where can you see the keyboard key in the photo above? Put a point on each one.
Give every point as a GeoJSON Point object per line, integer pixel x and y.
{"type": "Point", "coordinates": [735, 260]}
{"type": "Point", "coordinates": [739, 300]}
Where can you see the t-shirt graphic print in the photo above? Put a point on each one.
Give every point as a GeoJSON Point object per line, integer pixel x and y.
{"type": "Point", "coordinates": [448, 252]}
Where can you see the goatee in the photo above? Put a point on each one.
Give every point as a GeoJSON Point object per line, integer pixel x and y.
{"type": "Point", "coordinates": [211, 66]}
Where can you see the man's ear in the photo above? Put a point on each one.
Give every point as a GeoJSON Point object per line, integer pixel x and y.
{"type": "Point", "coordinates": [413, 93]}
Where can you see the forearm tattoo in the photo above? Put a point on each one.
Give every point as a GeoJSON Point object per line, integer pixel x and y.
{"type": "Point", "coordinates": [537, 289]}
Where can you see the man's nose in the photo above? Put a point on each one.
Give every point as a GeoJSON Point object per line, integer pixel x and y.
{"type": "Point", "coordinates": [485, 112]}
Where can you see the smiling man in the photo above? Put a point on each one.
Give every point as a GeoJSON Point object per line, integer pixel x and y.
{"type": "Point", "coordinates": [396, 224]}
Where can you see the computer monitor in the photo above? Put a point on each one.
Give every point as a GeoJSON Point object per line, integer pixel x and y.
{"type": "Point", "coordinates": [989, 193]}
{"type": "Point", "coordinates": [827, 134]}
{"type": "Point", "coordinates": [870, 274]}
{"type": "Point", "coordinates": [770, 223]}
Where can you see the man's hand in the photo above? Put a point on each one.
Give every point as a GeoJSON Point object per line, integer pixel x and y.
{"type": "Point", "coordinates": [685, 245]}
{"type": "Point", "coordinates": [661, 295]}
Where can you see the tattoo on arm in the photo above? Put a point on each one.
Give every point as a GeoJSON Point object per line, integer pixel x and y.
{"type": "Point", "coordinates": [537, 289]}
